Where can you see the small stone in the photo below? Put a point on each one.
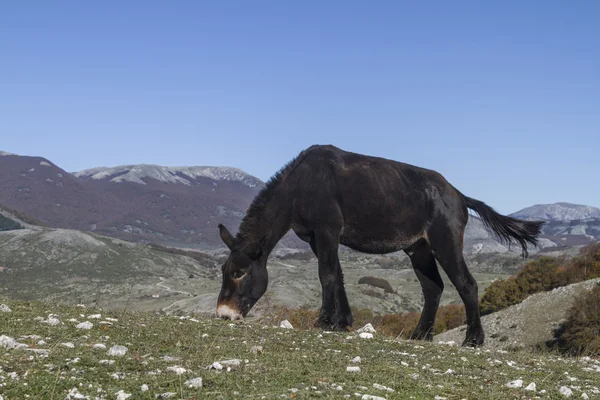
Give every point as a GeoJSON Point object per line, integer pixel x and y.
{"type": "Point", "coordinates": [177, 370]}
{"type": "Point", "coordinates": [370, 397]}
{"type": "Point", "coordinates": [381, 387]}
{"type": "Point", "coordinates": [216, 365]}
{"type": "Point", "coordinates": [68, 345]}
{"type": "Point", "coordinates": [565, 391]}
{"type": "Point", "coordinates": [94, 316]}
{"type": "Point", "coordinates": [5, 308]}
{"type": "Point", "coordinates": [286, 324]}
{"type": "Point", "coordinates": [583, 396]}
{"type": "Point", "coordinates": [256, 349]}
{"type": "Point", "coordinates": [232, 363]}
{"type": "Point", "coordinates": [356, 360]}
{"type": "Point", "coordinates": [449, 371]}
{"type": "Point", "coordinates": [515, 384]}
{"type": "Point", "coordinates": [145, 388]}
{"type": "Point", "coordinates": [367, 328]}
{"type": "Point", "coordinates": [352, 369]}
{"type": "Point", "coordinates": [121, 395]}
{"type": "Point", "coordinates": [366, 335]}
{"type": "Point", "coordinates": [195, 383]}
{"type": "Point", "coordinates": [85, 325]}
{"type": "Point", "coordinates": [117, 351]}
{"type": "Point", "coordinates": [99, 346]}
{"type": "Point", "coordinates": [531, 387]}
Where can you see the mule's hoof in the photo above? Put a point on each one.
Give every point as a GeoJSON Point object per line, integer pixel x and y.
{"type": "Point", "coordinates": [473, 341]}
{"type": "Point", "coordinates": [419, 334]}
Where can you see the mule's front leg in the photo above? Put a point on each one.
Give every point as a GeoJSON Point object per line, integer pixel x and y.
{"type": "Point", "coordinates": [335, 311]}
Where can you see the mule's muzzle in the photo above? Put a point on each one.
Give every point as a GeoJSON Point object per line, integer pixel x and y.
{"type": "Point", "coordinates": [227, 312]}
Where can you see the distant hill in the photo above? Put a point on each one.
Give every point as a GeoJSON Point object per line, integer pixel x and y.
{"type": "Point", "coordinates": [558, 212]}
{"type": "Point", "coordinates": [182, 206]}
{"type": "Point", "coordinates": [173, 206]}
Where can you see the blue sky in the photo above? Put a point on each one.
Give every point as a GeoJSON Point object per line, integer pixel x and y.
{"type": "Point", "coordinates": [502, 97]}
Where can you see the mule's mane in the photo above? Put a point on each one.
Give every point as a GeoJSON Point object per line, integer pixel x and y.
{"type": "Point", "coordinates": [262, 199]}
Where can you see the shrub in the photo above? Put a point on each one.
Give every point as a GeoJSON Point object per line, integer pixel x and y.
{"type": "Point", "coordinates": [543, 274]}
{"type": "Point", "coordinates": [377, 282]}
{"type": "Point", "coordinates": [580, 333]}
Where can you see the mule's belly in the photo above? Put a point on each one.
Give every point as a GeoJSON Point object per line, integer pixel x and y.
{"type": "Point", "coordinates": [368, 243]}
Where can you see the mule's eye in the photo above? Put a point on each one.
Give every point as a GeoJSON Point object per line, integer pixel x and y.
{"type": "Point", "coordinates": [237, 274]}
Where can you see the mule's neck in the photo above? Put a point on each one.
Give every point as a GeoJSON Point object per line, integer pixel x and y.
{"type": "Point", "coordinates": [267, 223]}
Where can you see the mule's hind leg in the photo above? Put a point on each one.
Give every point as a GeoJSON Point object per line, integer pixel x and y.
{"type": "Point", "coordinates": [432, 285]}
{"type": "Point", "coordinates": [446, 243]}
{"type": "Point", "coordinates": [335, 311]}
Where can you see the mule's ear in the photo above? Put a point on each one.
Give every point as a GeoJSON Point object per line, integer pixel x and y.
{"type": "Point", "coordinates": [226, 236]}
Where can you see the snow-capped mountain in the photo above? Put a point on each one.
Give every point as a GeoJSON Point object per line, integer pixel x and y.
{"type": "Point", "coordinates": [558, 212]}
{"type": "Point", "coordinates": [184, 175]}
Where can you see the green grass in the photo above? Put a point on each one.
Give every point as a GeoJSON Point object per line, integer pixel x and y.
{"type": "Point", "coordinates": [313, 362]}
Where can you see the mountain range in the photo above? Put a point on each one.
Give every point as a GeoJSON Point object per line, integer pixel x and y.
{"type": "Point", "coordinates": [182, 206]}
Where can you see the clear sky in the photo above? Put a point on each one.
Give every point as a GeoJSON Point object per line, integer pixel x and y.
{"type": "Point", "coordinates": [502, 97]}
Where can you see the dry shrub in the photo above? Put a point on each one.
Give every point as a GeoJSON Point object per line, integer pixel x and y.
{"type": "Point", "coordinates": [580, 333]}
{"type": "Point", "coordinates": [393, 325]}
{"type": "Point", "coordinates": [543, 274]}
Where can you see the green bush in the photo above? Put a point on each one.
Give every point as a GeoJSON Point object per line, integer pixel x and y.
{"type": "Point", "coordinates": [543, 274]}
{"type": "Point", "coordinates": [579, 335]}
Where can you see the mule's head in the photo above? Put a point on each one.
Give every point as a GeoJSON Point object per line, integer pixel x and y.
{"type": "Point", "coordinates": [245, 277]}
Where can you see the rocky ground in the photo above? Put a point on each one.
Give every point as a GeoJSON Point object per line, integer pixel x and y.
{"type": "Point", "coordinates": [527, 324]}
{"type": "Point", "coordinates": [58, 352]}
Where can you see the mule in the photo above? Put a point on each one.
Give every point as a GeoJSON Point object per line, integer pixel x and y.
{"type": "Point", "coordinates": [328, 197]}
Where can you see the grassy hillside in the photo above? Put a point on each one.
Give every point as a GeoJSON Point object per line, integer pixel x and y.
{"type": "Point", "coordinates": [73, 267]}
{"type": "Point", "coordinates": [167, 354]}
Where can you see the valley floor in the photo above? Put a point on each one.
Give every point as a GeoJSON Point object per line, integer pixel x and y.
{"type": "Point", "coordinates": [54, 351]}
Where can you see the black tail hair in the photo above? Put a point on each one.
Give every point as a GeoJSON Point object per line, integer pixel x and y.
{"type": "Point", "coordinates": [507, 229]}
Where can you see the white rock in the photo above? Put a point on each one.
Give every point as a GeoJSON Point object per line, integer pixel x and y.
{"type": "Point", "coordinates": [286, 324]}
{"type": "Point", "coordinates": [515, 384]}
{"type": "Point", "coordinates": [85, 325]}
{"type": "Point", "coordinates": [356, 360]}
{"type": "Point", "coordinates": [5, 308]}
{"type": "Point", "coordinates": [352, 369]}
{"type": "Point", "coordinates": [117, 351]}
{"type": "Point", "coordinates": [68, 345]}
{"type": "Point", "coordinates": [52, 321]}
{"type": "Point", "coordinates": [94, 316]}
{"type": "Point", "coordinates": [177, 370]}
{"type": "Point", "coordinates": [216, 365]}
{"type": "Point", "coordinates": [109, 362]}
{"type": "Point", "coordinates": [232, 363]}
{"type": "Point", "coordinates": [565, 391]}
{"type": "Point", "coordinates": [367, 328]}
{"type": "Point", "coordinates": [145, 388]}
{"type": "Point", "coordinates": [531, 387]}
{"type": "Point", "coordinates": [73, 394]}
{"type": "Point", "coordinates": [99, 346]}
{"type": "Point", "coordinates": [449, 371]}
{"type": "Point", "coordinates": [166, 395]}
{"type": "Point", "coordinates": [194, 383]}
{"type": "Point", "coordinates": [370, 397]}
{"type": "Point", "coordinates": [583, 396]}
{"type": "Point", "coordinates": [121, 395]}
{"type": "Point", "coordinates": [10, 343]}
{"type": "Point", "coordinates": [381, 387]}
{"type": "Point", "coordinates": [366, 335]}
{"type": "Point", "coordinates": [256, 349]}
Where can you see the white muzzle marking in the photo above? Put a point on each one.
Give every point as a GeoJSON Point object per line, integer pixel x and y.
{"type": "Point", "coordinates": [224, 311]}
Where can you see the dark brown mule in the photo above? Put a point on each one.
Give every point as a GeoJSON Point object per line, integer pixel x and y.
{"type": "Point", "coordinates": [328, 196]}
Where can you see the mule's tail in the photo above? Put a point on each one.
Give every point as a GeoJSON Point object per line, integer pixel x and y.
{"type": "Point", "coordinates": [507, 229]}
